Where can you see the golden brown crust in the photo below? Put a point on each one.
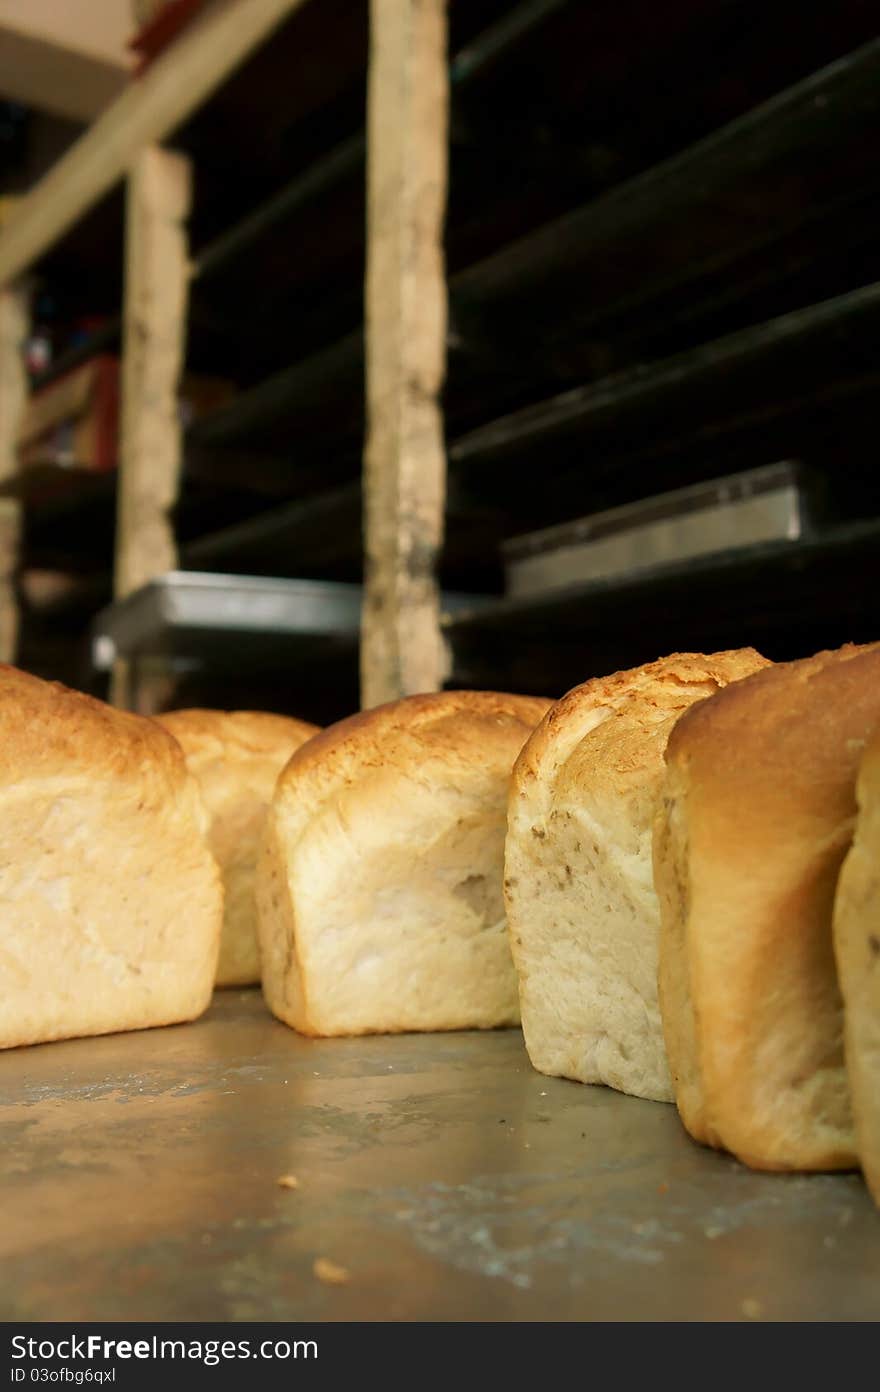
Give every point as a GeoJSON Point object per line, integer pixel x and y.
{"type": "Point", "coordinates": [250, 732]}
{"type": "Point", "coordinates": [44, 725]}
{"type": "Point", "coordinates": [671, 882]}
{"type": "Point", "coordinates": [656, 683]}
{"type": "Point", "coordinates": [857, 954]}
{"type": "Point", "coordinates": [760, 716]}
{"type": "Point", "coordinates": [449, 726]}
{"type": "Point", "coordinates": [759, 811]}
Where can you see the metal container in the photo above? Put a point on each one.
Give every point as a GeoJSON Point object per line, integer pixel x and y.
{"type": "Point", "coordinates": [726, 514]}
{"type": "Point", "coordinates": [187, 612]}
{"type": "Point", "coordinates": [234, 618]}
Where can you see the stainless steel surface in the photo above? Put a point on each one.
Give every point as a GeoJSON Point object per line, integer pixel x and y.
{"type": "Point", "coordinates": [192, 613]}
{"type": "Point", "coordinates": [759, 505]}
{"type": "Point", "coordinates": [138, 1179]}
{"type": "Point", "coordinates": [203, 602]}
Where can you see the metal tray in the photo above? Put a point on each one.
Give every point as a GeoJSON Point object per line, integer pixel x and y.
{"type": "Point", "coordinates": [138, 1180]}
{"type": "Point", "coordinates": [237, 618]}
{"type": "Point", "coordinates": [721, 515]}
{"type": "Point", "coordinates": [185, 610]}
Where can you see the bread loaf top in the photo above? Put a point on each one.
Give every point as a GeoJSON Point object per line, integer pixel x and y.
{"type": "Point", "coordinates": [445, 734]}
{"type": "Point", "coordinates": [751, 735]}
{"type": "Point", "coordinates": [619, 752]}
{"type": "Point", "coordinates": [47, 729]}
{"type": "Point", "coordinates": [231, 733]}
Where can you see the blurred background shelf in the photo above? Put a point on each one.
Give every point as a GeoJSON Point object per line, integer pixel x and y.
{"type": "Point", "coordinates": [763, 217]}
{"type": "Point", "coordinates": [661, 266]}
{"type": "Point", "coordinates": [239, 631]}
{"type": "Point", "coordinates": [781, 597]}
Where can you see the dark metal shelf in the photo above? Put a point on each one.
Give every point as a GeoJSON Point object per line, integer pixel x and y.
{"type": "Point", "coordinates": [765, 216]}
{"type": "Point", "coordinates": [803, 384]}
{"type": "Point", "coordinates": [772, 389]}
{"type": "Point", "coordinates": [688, 219]}
{"type": "Point", "coordinates": [786, 598]}
{"type": "Point", "coordinates": [347, 159]}
{"type": "Point", "coordinates": [547, 115]}
{"type": "Point", "coordinates": [776, 365]}
{"type": "Point", "coordinates": [321, 535]}
{"type": "Point", "coordinates": [228, 618]}
{"type": "Point", "coordinates": [232, 619]}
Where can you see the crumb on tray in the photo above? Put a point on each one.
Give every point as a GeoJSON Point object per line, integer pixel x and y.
{"type": "Point", "coordinates": [288, 1181]}
{"type": "Point", "coordinates": [330, 1273]}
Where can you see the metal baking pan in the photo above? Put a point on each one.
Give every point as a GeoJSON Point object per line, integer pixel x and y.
{"type": "Point", "coordinates": [240, 618]}
{"type": "Point", "coordinates": [760, 505]}
{"type": "Point", "coordinates": [188, 612]}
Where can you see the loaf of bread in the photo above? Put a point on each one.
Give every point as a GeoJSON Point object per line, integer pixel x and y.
{"type": "Point", "coordinates": [857, 950]}
{"type": "Point", "coordinates": [757, 815]}
{"type": "Point", "coordinates": [110, 902]}
{"type": "Point", "coordinates": [379, 887]}
{"type": "Point", "coordinates": [236, 757]}
{"type": "Point", "coordinates": [578, 885]}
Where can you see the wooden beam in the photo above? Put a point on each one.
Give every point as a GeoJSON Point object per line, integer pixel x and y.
{"type": "Point", "coordinates": [14, 324]}
{"type": "Point", "coordinates": [402, 649]}
{"type": "Point", "coordinates": [154, 335]}
{"type": "Point", "coordinates": [216, 43]}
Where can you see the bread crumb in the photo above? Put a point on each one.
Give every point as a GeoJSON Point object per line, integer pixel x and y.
{"type": "Point", "coordinates": [288, 1181]}
{"type": "Point", "coordinates": [663, 1188]}
{"type": "Point", "coordinates": [331, 1274]}
{"type": "Point", "coordinates": [751, 1308]}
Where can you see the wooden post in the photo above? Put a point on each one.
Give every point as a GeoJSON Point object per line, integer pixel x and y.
{"type": "Point", "coordinates": [154, 334]}
{"type": "Point", "coordinates": [402, 649]}
{"type": "Point", "coordinates": [14, 322]}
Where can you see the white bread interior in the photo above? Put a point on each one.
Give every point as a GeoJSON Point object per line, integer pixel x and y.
{"type": "Point", "coordinates": [379, 888]}
{"type": "Point", "coordinates": [583, 914]}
